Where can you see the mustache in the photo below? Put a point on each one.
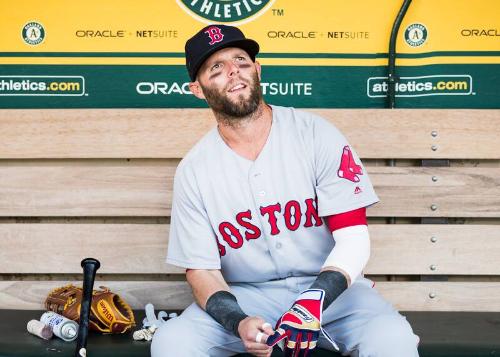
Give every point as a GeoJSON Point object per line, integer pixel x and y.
{"type": "Point", "coordinates": [233, 82]}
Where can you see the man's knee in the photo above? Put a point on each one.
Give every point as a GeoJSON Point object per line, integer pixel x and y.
{"type": "Point", "coordinates": [387, 336]}
{"type": "Point", "coordinates": [176, 335]}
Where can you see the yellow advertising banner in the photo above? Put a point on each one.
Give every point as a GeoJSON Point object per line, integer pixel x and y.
{"type": "Point", "coordinates": [280, 26]}
{"type": "Point", "coordinates": [331, 34]}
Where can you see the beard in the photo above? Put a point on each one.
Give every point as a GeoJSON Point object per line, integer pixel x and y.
{"type": "Point", "coordinates": [232, 112]}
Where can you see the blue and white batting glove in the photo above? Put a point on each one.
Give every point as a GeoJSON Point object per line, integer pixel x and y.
{"type": "Point", "coordinates": [300, 326]}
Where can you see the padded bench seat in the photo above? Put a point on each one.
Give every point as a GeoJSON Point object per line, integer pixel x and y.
{"type": "Point", "coordinates": [453, 334]}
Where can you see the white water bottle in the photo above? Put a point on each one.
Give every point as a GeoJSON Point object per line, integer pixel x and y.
{"type": "Point", "coordinates": [63, 328]}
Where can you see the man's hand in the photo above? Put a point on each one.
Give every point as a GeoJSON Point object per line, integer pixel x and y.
{"type": "Point", "coordinates": [300, 326]}
{"type": "Point", "coordinates": [254, 332]}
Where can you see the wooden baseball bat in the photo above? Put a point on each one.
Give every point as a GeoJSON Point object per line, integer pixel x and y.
{"type": "Point", "coordinates": [90, 266]}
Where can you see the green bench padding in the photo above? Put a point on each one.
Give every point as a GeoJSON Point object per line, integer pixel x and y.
{"type": "Point", "coordinates": [442, 334]}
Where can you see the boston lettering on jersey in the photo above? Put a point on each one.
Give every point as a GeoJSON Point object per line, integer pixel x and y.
{"type": "Point", "coordinates": [291, 212]}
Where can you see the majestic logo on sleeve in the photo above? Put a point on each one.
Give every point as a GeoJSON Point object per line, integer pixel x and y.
{"type": "Point", "coordinates": [348, 169]}
{"type": "Point", "coordinates": [225, 11]}
{"type": "Point", "coordinates": [215, 35]}
{"type": "Point", "coordinates": [294, 216]}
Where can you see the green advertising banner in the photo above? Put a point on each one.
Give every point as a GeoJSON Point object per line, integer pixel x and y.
{"type": "Point", "coordinates": [324, 54]}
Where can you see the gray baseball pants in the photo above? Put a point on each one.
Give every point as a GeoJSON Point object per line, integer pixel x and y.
{"type": "Point", "coordinates": [360, 321]}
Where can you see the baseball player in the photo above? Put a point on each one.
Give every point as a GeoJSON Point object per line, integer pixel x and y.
{"type": "Point", "coordinates": [269, 220]}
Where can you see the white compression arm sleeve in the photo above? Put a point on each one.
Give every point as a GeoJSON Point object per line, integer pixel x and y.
{"type": "Point", "coordinates": [351, 251]}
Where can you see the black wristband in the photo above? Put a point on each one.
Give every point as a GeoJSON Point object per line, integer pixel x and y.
{"type": "Point", "coordinates": [224, 308]}
{"type": "Point", "coordinates": [333, 283]}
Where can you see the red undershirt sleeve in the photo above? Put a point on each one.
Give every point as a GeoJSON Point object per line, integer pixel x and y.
{"type": "Point", "coordinates": [347, 219]}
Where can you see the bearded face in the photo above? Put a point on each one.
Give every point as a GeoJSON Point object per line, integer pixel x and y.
{"type": "Point", "coordinates": [237, 100]}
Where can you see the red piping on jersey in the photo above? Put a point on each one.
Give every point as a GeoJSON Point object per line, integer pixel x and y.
{"type": "Point", "coordinates": [356, 217]}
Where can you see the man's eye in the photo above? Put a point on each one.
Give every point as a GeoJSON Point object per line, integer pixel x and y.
{"type": "Point", "coordinates": [240, 58]}
{"type": "Point", "coordinates": [215, 66]}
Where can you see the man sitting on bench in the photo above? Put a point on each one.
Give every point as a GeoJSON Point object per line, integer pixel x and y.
{"type": "Point", "coordinates": [269, 220]}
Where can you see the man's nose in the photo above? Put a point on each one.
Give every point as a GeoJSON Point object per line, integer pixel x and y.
{"type": "Point", "coordinates": [233, 69]}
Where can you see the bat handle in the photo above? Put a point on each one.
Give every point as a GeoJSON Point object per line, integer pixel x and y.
{"type": "Point", "coordinates": [90, 266]}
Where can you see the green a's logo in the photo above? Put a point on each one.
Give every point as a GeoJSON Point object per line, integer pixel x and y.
{"type": "Point", "coordinates": [225, 11]}
{"type": "Point", "coordinates": [416, 35]}
{"type": "Point", "coordinates": [33, 33]}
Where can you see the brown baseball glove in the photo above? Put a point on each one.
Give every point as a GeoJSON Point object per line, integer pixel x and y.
{"type": "Point", "coordinates": [108, 312]}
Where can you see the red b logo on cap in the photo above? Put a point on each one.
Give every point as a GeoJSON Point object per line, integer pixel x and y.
{"type": "Point", "coordinates": [215, 34]}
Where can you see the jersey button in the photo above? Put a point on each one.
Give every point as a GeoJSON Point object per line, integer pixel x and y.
{"type": "Point", "coordinates": [262, 193]}
{"type": "Point", "coordinates": [278, 245]}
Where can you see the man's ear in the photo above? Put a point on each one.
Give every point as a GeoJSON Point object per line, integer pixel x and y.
{"type": "Point", "coordinates": [195, 88]}
{"type": "Point", "coordinates": [259, 69]}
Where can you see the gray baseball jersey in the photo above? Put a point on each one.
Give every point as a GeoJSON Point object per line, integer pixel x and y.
{"type": "Point", "coordinates": [260, 220]}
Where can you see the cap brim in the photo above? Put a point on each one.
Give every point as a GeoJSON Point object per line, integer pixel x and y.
{"type": "Point", "coordinates": [250, 46]}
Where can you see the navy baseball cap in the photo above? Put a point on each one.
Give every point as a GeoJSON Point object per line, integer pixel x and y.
{"type": "Point", "coordinates": [212, 38]}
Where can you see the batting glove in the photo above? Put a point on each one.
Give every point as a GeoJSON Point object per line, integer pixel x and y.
{"type": "Point", "coordinates": [300, 326]}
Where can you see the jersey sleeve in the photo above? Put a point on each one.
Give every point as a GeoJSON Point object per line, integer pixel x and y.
{"type": "Point", "coordinates": [192, 241]}
{"type": "Point", "coordinates": [342, 183]}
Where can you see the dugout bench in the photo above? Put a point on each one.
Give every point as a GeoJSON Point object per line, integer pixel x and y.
{"type": "Point", "coordinates": [98, 182]}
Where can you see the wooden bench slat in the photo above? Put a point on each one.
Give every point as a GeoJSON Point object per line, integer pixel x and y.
{"type": "Point", "coordinates": [379, 133]}
{"type": "Point", "coordinates": [101, 133]}
{"type": "Point", "coordinates": [87, 189]}
{"type": "Point", "coordinates": [141, 249]}
{"type": "Point", "coordinates": [121, 248]}
{"type": "Point", "coordinates": [169, 133]}
{"type": "Point", "coordinates": [406, 296]}
{"type": "Point", "coordinates": [30, 295]}
{"type": "Point", "coordinates": [449, 296]}
{"type": "Point", "coordinates": [458, 249]}
{"type": "Point", "coordinates": [458, 191]}
{"type": "Point", "coordinates": [144, 188]}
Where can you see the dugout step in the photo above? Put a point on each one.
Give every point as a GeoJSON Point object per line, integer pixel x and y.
{"type": "Point", "coordinates": [457, 334]}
